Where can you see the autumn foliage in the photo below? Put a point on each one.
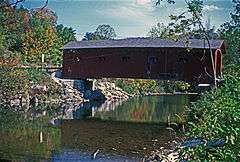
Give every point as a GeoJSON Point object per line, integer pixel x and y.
{"type": "Point", "coordinates": [30, 34]}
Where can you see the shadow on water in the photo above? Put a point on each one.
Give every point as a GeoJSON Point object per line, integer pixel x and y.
{"type": "Point", "coordinates": [121, 131]}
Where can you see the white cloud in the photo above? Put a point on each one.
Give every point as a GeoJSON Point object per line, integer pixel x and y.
{"type": "Point", "coordinates": [138, 19]}
{"type": "Point", "coordinates": [123, 12]}
{"type": "Point", "coordinates": [210, 8]}
{"type": "Point", "coordinates": [129, 12]}
{"type": "Point", "coordinates": [147, 5]}
{"type": "Point", "coordinates": [143, 2]}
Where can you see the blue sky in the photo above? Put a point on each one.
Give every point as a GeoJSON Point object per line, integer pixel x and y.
{"type": "Point", "coordinates": [130, 18]}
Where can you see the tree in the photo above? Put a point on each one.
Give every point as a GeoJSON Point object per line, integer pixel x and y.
{"type": "Point", "coordinates": [181, 27]}
{"type": "Point", "coordinates": [208, 29]}
{"type": "Point", "coordinates": [159, 31]}
{"type": "Point", "coordinates": [90, 36]}
{"type": "Point", "coordinates": [40, 38]}
{"type": "Point", "coordinates": [15, 3]}
{"type": "Point", "coordinates": [236, 14]}
{"type": "Point", "coordinates": [45, 14]}
{"type": "Point", "coordinates": [2, 41]}
{"type": "Point", "coordinates": [10, 3]}
{"type": "Point", "coordinates": [105, 32]}
{"type": "Point", "coordinates": [13, 22]}
{"type": "Point", "coordinates": [215, 116]}
{"type": "Point", "coordinates": [235, 18]}
{"type": "Point", "coordinates": [32, 32]}
{"type": "Point", "coordinates": [102, 32]}
{"type": "Point", "coordinates": [65, 34]}
{"type": "Point", "coordinates": [230, 32]}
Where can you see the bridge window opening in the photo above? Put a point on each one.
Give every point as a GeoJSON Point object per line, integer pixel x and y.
{"type": "Point", "coordinates": [101, 59]}
{"type": "Point", "coordinates": [152, 60]}
{"type": "Point", "coordinates": [69, 70]}
{"type": "Point", "coordinates": [78, 59]}
{"type": "Point", "coordinates": [125, 58]}
{"type": "Point", "coordinates": [72, 51]}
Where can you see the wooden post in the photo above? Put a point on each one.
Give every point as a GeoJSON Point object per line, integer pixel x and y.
{"type": "Point", "coordinates": [43, 61]}
{"type": "Point", "coordinates": [94, 84]}
{"type": "Point", "coordinates": [27, 101]}
{"type": "Point", "coordinates": [41, 137]}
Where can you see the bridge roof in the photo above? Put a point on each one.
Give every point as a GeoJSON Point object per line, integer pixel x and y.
{"type": "Point", "coordinates": [143, 43]}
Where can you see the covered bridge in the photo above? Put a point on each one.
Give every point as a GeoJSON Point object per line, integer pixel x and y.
{"type": "Point", "coordinates": [144, 58]}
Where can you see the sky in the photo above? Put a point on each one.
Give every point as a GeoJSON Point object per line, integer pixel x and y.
{"type": "Point", "coordinates": [129, 18]}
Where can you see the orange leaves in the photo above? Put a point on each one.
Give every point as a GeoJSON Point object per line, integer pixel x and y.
{"type": "Point", "coordinates": [8, 62]}
{"type": "Point", "coordinates": [37, 41]}
{"type": "Point", "coordinates": [32, 32]}
{"type": "Point", "coordinates": [45, 14]}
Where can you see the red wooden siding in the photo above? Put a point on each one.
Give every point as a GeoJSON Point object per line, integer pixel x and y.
{"type": "Point", "coordinates": [144, 63]}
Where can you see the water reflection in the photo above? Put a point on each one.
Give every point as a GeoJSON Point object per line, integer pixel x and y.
{"type": "Point", "coordinates": [120, 130]}
{"type": "Point", "coordinates": [157, 109]}
{"type": "Point", "coordinates": [26, 139]}
{"type": "Point", "coordinates": [122, 138]}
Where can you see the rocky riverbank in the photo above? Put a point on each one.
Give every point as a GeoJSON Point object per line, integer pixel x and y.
{"type": "Point", "coordinates": [89, 90]}
{"type": "Point", "coordinates": [68, 91]}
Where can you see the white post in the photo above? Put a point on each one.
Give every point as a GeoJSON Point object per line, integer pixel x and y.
{"type": "Point", "coordinates": [41, 137]}
{"type": "Point", "coordinates": [42, 60]}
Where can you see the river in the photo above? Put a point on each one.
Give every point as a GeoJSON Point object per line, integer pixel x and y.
{"type": "Point", "coordinates": [114, 131]}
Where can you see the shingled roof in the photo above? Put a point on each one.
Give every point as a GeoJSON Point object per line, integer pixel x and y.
{"type": "Point", "coordinates": [143, 43]}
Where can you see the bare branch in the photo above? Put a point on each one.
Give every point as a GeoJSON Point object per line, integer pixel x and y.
{"type": "Point", "coordinates": [8, 4]}
{"type": "Point", "coordinates": [45, 5]}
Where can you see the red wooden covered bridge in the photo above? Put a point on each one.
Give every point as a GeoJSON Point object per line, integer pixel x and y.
{"type": "Point", "coordinates": [144, 58]}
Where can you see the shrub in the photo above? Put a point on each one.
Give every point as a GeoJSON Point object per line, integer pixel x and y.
{"type": "Point", "coordinates": [216, 115]}
{"type": "Point", "coordinates": [137, 86]}
{"type": "Point", "coordinates": [15, 81]}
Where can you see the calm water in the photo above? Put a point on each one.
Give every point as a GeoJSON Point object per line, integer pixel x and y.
{"type": "Point", "coordinates": [128, 17]}
{"type": "Point", "coordinates": [121, 131]}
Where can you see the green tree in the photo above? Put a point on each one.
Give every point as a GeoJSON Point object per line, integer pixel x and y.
{"type": "Point", "coordinates": [208, 29]}
{"type": "Point", "coordinates": [159, 31]}
{"type": "Point", "coordinates": [102, 32]}
{"type": "Point", "coordinates": [40, 38]}
{"type": "Point", "coordinates": [33, 33]}
{"type": "Point", "coordinates": [230, 32]}
{"type": "Point", "coordinates": [2, 41]}
{"type": "Point", "coordinates": [235, 18]}
{"type": "Point", "coordinates": [105, 32]}
{"type": "Point", "coordinates": [91, 36]}
{"type": "Point", "coordinates": [66, 34]}
{"type": "Point", "coordinates": [137, 86]}
{"type": "Point", "coordinates": [13, 22]}
{"type": "Point", "coordinates": [216, 114]}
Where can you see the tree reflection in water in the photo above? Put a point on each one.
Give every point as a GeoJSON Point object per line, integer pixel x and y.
{"type": "Point", "coordinates": [149, 109]}
{"type": "Point", "coordinates": [129, 128]}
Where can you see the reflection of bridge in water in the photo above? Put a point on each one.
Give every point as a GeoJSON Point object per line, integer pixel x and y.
{"type": "Point", "coordinates": [157, 109]}
{"type": "Point", "coordinates": [107, 125]}
{"type": "Point", "coordinates": [89, 109]}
